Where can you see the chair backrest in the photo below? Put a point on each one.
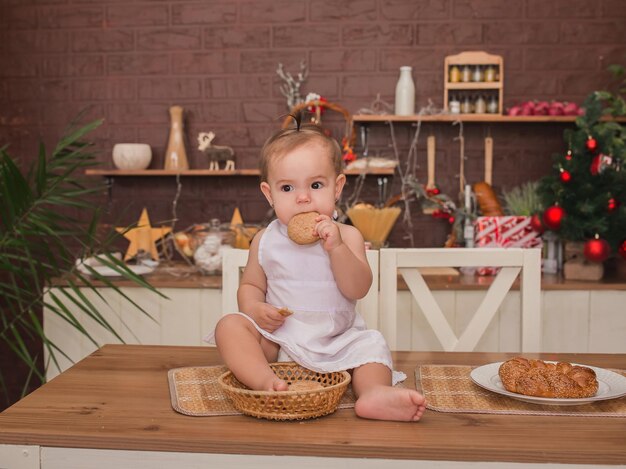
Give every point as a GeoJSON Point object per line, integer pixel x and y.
{"type": "Point", "coordinates": [513, 262]}
{"type": "Point", "coordinates": [233, 260]}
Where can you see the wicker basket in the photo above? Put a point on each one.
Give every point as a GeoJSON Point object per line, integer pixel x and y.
{"type": "Point", "coordinates": [288, 405]}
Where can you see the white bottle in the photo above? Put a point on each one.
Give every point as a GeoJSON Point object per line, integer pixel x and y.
{"type": "Point", "coordinates": [405, 93]}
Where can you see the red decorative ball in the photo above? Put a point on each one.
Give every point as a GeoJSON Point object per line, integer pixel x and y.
{"type": "Point", "coordinates": [451, 219]}
{"type": "Point", "coordinates": [553, 216]}
{"type": "Point", "coordinates": [612, 204]}
{"type": "Point", "coordinates": [565, 176]}
{"type": "Point", "coordinates": [597, 249]}
{"type": "Point", "coordinates": [568, 156]}
{"type": "Point", "coordinates": [622, 249]}
{"type": "Point", "coordinates": [591, 143]}
{"type": "Point", "coordinates": [535, 222]}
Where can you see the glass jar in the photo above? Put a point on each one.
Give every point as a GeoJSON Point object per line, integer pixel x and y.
{"type": "Point", "coordinates": [480, 105]}
{"type": "Point", "coordinates": [466, 74]}
{"type": "Point", "coordinates": [208, 253]}
{"type": "Point", "coordinates": [477, 74]}
{"type": "Point", "coordinates": [492, 105]}
{"type": "Point", "coordinates": [454, 105]}
{"type": "Point", "coordinates": [490, 73]}
{"type": "Point", "coordinates": [455, 74]}
{"type": "Point", "coordinates": [466, 105]}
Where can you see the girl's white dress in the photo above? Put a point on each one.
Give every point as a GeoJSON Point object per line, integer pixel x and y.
{"type": "Point", "coordinates": [325, 333]}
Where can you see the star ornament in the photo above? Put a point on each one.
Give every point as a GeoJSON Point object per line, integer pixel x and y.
{"type": "Point", "coordinates": [143, 237]}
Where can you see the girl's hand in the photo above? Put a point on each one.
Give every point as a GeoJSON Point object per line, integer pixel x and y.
{"type": "Point", "coordinates": [267, 317]}
{"type": "Point", "coordinates": [328, 231]}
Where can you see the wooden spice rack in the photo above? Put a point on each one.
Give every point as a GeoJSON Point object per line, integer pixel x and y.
{"type": "Point", "coordinates": [473, 59]}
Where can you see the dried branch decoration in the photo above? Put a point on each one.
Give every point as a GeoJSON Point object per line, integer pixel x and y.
{"type": "Point", "coordinates": [291, 88]}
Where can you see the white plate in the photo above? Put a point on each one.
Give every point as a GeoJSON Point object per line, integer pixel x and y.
{"type": "Point", "coordinates": [610, 386]}
{"type": "Point", "coordinates": [109, 272]}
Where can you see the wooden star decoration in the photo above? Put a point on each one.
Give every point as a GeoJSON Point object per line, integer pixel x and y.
{"type": "Point", "coordinates": [143, 237]}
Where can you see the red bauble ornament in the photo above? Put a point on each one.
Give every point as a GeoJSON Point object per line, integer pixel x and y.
{"type": "Point", "coordinates": [433, 191]}
{"type": "Point", "coordinates": [591, 143]}
{"type": "Point", "coordinates": [553, 216]}
{"type": "Point", "coordinates": [612, 204]}
{"type": "Point", "coordinates": [535, 222]}
{"type": "Point", "coordinates": [451, 219]}
{"type": "Point", "coordinates": [565, 176]}
{"type": "Point", "coordinates": [597, 249]}
{"type": "Point", "coordinates": [622, 249]}
{"type": "Point", "coordinates": [568, 156]}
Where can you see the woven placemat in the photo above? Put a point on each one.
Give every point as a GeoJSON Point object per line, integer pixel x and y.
{"type": "Point", "coordinates": [195, 391]}
{"type": "Point", "coordinates": [449, 388]}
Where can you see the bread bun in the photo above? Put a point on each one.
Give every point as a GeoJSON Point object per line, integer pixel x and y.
{"type": "Point", "coordinates": [301, 228]}
{"type": "Point", "coordinates": [487, 200]}
{"type": "Point", "coordinates": [541, 379]}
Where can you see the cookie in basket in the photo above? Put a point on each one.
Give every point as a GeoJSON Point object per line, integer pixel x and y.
{"type": "Point", "coordinates": [305, 385]}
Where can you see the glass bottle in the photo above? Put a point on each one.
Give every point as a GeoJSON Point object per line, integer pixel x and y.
{"type": "Point", "coordinates": [454, 105]}
{"type": "Point", "coordinates": [455, 74]}
{"type": "Point", "coordinates": [466, 74]}
{"type": "Point", "coordinates": [175, 155]}
{"type": "Point", "coordinates": [492, 105]}
{"type": "Point", "coordinates": [405, 93]}
{"type": "Point", "coordinates": [477, 75]}
{"type": "Point", "coordinates": [466, 105]}
{"type": "Point", "coordinates": [490, 73]}
{"type": "Point", "coordinates": [480, 105]}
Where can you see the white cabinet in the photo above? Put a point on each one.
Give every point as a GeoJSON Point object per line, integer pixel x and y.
{"type": "Point", "coordinates": [584, 321]}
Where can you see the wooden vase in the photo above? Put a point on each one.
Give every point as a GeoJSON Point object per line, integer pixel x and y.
{"type": "Point", "coordinates": [175, 155]}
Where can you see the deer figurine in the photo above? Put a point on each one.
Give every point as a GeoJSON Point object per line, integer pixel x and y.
{"type": "Point", "coordinates": [216, 153]}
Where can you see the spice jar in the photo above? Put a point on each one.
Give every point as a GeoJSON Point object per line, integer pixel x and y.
{"type": "Point", "coordinates": [455, 74]}
{"type": "Point", "coordinates": [454, 105]}
{"type": "Point", "coordinates": [466, 74]}
{"type": "Point", "coordinates": [490, 73]}
{"type": "Point", "coordinates": [466, 105]}
{"type": "Point", "coordinates": [480, 105]}
{"type": "Point", "coordinates": [492, 105]}
{"type": "Point", "coordinates": [477, 75]}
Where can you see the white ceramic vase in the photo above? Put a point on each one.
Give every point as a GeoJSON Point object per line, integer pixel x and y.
{"type": "Point", "coordinates": [132, 155]}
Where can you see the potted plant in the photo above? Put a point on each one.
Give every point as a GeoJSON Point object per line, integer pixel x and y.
{"type": "Point", "coordinates": [49, 217]}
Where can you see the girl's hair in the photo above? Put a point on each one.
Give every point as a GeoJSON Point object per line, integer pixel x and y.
{"type": "Point", "coordinates": [286, 140]}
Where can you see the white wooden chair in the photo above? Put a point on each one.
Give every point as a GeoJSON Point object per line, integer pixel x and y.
{"type": "Point", "coordinates": [513, 262]}
{"type": "Point", "coordinates": [233, 260]}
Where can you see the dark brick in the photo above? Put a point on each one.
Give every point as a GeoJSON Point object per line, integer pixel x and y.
{"type": "Point", "coordinates": [376, 35]}
{"type": "Point", "coordinates": [330, 10]}
{"type": "Point", "coordinates": [263, 111]}
{"type": "Point", "coordinates": [532, 84]}
{"type": "Point", "coordinates": [237, 87]}
{"type": "Point", "coordinates": [300, 36]}
{"type": "Point", "coordinates": [596, 32]}
{"type": "Point", "coordinates": [272, 11]}
{"type": "Point", "coordinates": [137, 64]}
{"type": "Point", "coordinates": [163, 88]}
{"type": "Point", "coordinates": [169, 39]}
{"type": "Point", "coordinates": [520, 33]}
{"type": "Point", "coordinates": [562, 9]}
{"type": "Point", "coordinates": [493, 9]}
{"type": "Point", "coordinates": [367, 86]}
{"type": "Point", "coordinates": [136, 15]}
{"type": "Point", "coordinates": [213, 62]}
{"type": "Point", "coordinates": [560, 58]}
{"type": "Point", "coordinates": [81, 16]}
{"type": "Point", "coordinates": [267, 61]}
{"type": "Point", "coordinates": [18, 17]}
{"type": "Point", "coordinates": [37, 41]}
{"type": "Point", "coordinates": [463, 34]}
{"type": "Point", "coordinates": [112, 40]}
{"type": "Point", "coordinates": [19, 66]}
{"type": "Point", "coordinates": [133, 113]}
{"type": "Point", "coordinates": [343, 60]}
{"type": "Point", "coordinates": [581, 83]}
{"type": "Point", "coordinates": [220, 112]}
{"type": "Point", "coordinates": [414, 9]}
{"type": "Point", "coordinates": [204, 13]}
{"type": "Point", "coordinates": [323, 85]}
{"type": "Point", "coordinates": [104, 89]}
{"type": "Point", "coordinates": [237, 37]}
{"type": "Point", "coordinates": [422, 59]}
{"type": "Point", "coordinates": [613, 9]}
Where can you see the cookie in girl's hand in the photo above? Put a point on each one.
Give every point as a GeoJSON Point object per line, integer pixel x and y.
{"type": "Point", "coordinates": [285, 312]}
{"type": "Point", "coordinates": [301, 226]}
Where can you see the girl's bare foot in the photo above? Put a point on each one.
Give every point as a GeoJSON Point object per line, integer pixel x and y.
{"type": "Point", "coordinates": [274, 384]}
{"type": "Point", "coordinates": [389, 403]}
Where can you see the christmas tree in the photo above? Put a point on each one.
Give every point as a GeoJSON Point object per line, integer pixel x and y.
{"type": "Point", "coordinates": [586, 194]}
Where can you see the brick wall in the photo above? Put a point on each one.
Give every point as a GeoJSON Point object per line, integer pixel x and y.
{"type": "Point", "coordinates": [128, 61]}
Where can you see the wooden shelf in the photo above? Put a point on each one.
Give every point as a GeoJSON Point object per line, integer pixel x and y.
{"type": "Point", "coordinates": [492, 118]}
{"type": "Point", "coordinates": [208, 172]}
{"type": "Point", "coordinates": [482, 85]}
{"type": "Point", "coordinates": [495, 118]}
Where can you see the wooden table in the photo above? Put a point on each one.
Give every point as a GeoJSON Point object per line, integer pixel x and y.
{"type": "Point", "coordinates": [113, 410]}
